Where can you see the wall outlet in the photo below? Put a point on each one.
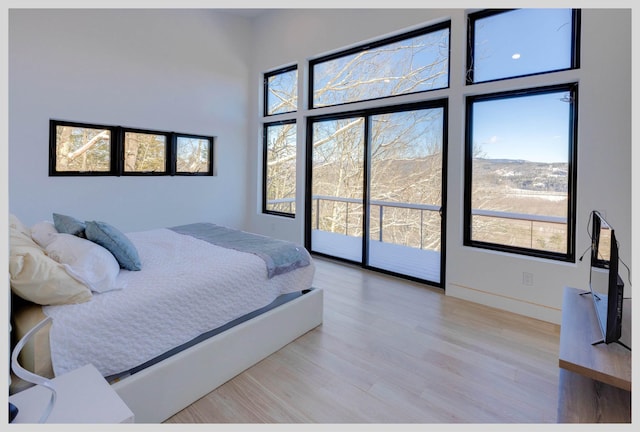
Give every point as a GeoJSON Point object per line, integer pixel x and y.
{"type": "Point", "coordinates": [527, 278]}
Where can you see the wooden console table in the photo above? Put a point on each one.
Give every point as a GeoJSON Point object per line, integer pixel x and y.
{"type": "Point", "coordinates": [595, 380]}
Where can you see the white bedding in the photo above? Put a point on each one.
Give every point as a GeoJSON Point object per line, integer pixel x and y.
{"type": "Point", "coordinates": [155, 312]}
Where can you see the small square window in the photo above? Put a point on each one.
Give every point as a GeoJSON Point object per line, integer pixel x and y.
{"type": "Point", "coordinates": [145, 152]}
{"type": "Point", "coordinates": [81, 149]}
{"type": "Point", "coordinates": [194, 155]}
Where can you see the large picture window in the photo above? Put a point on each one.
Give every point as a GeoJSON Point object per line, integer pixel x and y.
{"type": "Point", "coordinates": [520, 171]}
{"type": "Point", "coordinates": [410, 63]}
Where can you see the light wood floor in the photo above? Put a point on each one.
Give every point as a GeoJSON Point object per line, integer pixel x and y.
{"type": "Point", "coordinates": [392, 351]}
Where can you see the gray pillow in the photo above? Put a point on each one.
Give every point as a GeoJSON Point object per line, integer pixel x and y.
{"type": "Point", "coordinates": [68, 225]}
{"type": "Point", "coordinates": [115, 242]}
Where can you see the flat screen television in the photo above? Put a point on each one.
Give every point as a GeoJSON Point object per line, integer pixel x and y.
{"type": "Point", "coordinates": [606, 285]}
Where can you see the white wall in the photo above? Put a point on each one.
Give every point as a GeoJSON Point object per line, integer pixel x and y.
{"type": "Point", "coordinates": [169, 70]}
{"type": "Point", "coordinates": [604, 143]}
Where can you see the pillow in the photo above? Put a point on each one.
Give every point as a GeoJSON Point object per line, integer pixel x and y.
{"type": "Point", "coordinates": [115, 242]}
{"type": "Point", "coordinates": [68, 225]}
{"type": "Point", "coordinates": [37, 278]}
{"type": "Point", "coordinates": [15, 223]}
{"type": "Point", "coordinates": [86, 261]}
{"type": "Point", "coordinates": [43, 233]}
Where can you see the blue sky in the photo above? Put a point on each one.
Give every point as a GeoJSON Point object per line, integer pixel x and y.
{"type": "Point", "coordinates": [516, 43]}
{"type": "Point", "coordinates": [533, 128]}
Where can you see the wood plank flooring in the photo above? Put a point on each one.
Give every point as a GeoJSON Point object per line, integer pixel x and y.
{"type": "Point", "coordinates": [392, 351]}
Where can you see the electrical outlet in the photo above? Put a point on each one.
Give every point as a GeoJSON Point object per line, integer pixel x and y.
{"type": "Point", "coordinates": [527, 278]}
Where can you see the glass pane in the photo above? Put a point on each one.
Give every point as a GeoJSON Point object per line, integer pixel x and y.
{"type": "Point", "coordinates": [193, 155]}
{"type": "Point", "coordinates": [83, 149]}
{"type": "Point", "coordinates": [144, 152]}
{"type": "Point", "coordinates": [280, 176]}
{"type": "Point", "coordinates": [406, 192]}
{"type": "Point", "coordinates": [520, 171]}
{"type": "Point", "coordinates": [337, 189]}
{"type": "Point", "coordinates": [282, 92]}
{"type": "Point", "coordinates": [412, 65]}
{"type": "Point", "coordinates": [522, 42]}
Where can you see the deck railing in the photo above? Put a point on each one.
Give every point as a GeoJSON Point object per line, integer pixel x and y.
{"type": "Point", "coordinates": [422, 208]}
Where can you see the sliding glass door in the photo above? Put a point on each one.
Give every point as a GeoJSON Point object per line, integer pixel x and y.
{"type": "Point", "coordinates": [376, 191]}
{"type": "Point", "coordinates": [405, 191]}
{"type": "Point", "coordinates": [337, 210]}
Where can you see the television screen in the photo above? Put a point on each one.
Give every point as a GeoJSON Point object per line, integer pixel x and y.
{"type": "Point", "coordinates": [606, 285]}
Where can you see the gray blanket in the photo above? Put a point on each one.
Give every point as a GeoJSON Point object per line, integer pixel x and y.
{"type": "Point", "coordinates": [280, 256]}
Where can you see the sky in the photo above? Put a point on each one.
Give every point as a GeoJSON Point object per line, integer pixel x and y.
{"type": "Point", "coordinates": [534, 128]}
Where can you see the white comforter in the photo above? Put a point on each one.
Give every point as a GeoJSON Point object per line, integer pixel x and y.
{"type": "Point", "coordinates": [185, 288]}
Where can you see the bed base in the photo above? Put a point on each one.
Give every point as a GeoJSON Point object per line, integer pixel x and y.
{"type": "Point", "coordinates": [162, 390]}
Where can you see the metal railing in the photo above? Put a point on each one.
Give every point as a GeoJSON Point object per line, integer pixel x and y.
{"type": "Point", "coordinates": [422, 208]}
{"type": "Point", "coordinates": [524, 217]}
{"type": "Point", "coordinates": [317, 199]}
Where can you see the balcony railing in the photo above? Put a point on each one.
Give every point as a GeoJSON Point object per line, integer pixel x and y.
{"type": "Point", "coordinates": [350, 203]}
{"type": "Point", "coordinates": [422, 208]}
{"type": "Point", "coordinates": [531, 219]}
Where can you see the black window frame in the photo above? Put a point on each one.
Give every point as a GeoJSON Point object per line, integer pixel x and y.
{"type": "Point", "coordinates": [366, 114]}
{"type": "Point", "coordinates": [174, 154]}
{"type": "Point", "coordinates": [113, 162]}
{"type": "Point", "coordinates": [473, 17]}
{"type": "Point", "coordinates": [569, 256]}
{"type": "Point", "coordinates": [265, 126]}
{"type": "Point", "coordinates": [265, 85]}
{"type": "Point", "coordinates": [117, 151]}
{"type": "Point", "coordinates": [121, 152]}
{"type": "Point", "coordinates": [378, 43]}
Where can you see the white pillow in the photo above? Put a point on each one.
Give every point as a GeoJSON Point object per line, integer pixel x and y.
{"type": "Point", "coordinates": [43, 233]}
{"type": "Point", "coordinates": [88, 262]}
{"type": "Point", "coordinates": [36, 277]}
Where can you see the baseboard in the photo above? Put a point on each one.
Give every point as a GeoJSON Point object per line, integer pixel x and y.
{"type": "Point", "coordinates": [511, 304]}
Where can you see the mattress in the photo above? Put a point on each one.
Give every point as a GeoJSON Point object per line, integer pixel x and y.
{"type": "Point", "coordinates": [188, 289]}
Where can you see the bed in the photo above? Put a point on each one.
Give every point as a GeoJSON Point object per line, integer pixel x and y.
{"type": "Point", "coordinates": [187, 309]}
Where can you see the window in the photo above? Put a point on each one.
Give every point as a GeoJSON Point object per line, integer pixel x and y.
{"type": "Point", "coordinates": [81, 149]}
{"type": "Point", "coordinates": [520, 160]}
{"type": "Point", "coordinates": [280, 143]}
{"type": "Point", "coordinates": [520, 171]}
{"type": "Point", "coordinates": [513, 43]}
{"type": "Point", "coordinates": [279, 194]}
{"type": "Point", "coordinates": [145, 152]}
{"type": "Point", "coordinates": [194, 155]}
{"type": "Point", "coordinates": [375, 180]}
{"type": "Point", "coordinates": [281, 91]}
{"type": "Point", "coordinates": [77, 149]}
{"type": "Point", "coordinates": [410, 63]}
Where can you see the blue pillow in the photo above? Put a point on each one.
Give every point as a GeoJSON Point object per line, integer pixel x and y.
{"type": "Point", "coordinates": [68, 225]}
{"type": "Point", "coordinates": [115, 242]}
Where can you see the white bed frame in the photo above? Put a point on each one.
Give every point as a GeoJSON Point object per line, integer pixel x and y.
{"type": "Point", "coordinates": [160, 391]}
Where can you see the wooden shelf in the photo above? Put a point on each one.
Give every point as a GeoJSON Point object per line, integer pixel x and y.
{"type": "Point", "coordinates": [595, 380]}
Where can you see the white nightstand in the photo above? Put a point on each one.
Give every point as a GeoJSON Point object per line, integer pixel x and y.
{"type": "Point", "coordinates": [83, 396]}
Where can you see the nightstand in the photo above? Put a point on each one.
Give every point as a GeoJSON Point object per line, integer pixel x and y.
{"type": "Point", "coordinates": [83, 396]}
